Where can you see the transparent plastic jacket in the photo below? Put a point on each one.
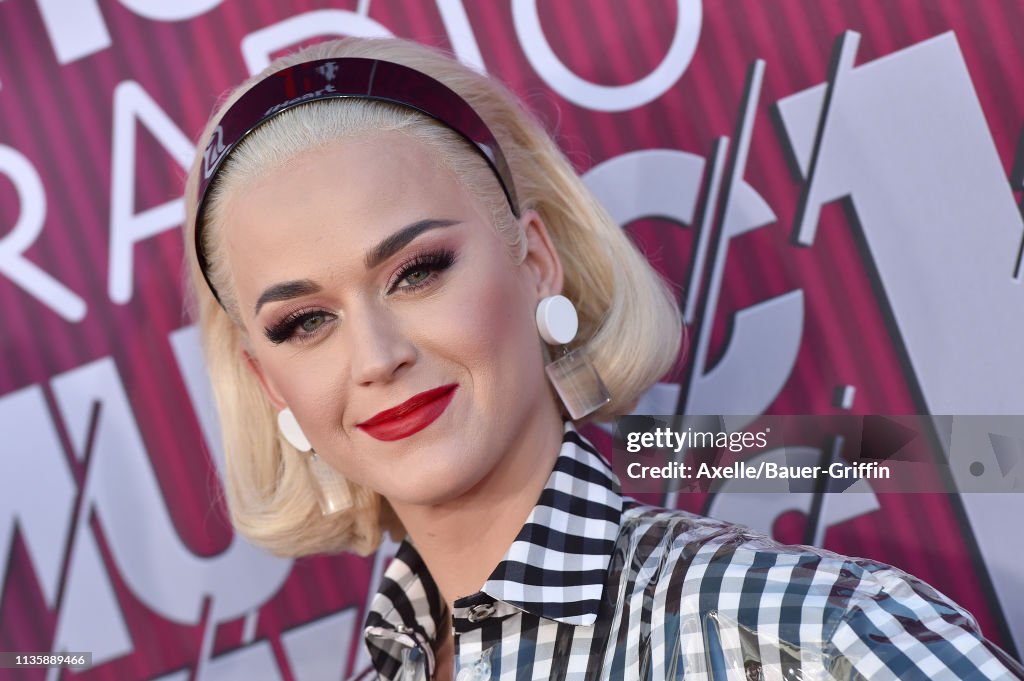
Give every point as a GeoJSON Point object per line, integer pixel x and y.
{"type": "Point", "coordinates": [596, 586]}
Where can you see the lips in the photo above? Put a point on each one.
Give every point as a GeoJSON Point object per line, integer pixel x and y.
{"type": "Point", "coordinates": [411, 416]}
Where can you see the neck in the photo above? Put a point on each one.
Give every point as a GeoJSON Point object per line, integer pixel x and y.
{"type": "Point", "coordinates": [462, 540]}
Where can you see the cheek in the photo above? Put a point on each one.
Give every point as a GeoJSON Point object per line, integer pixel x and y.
{"type": "Point", "coordinates": [309, 387]}
{"type": "Point", "coordinates": [491, 330]}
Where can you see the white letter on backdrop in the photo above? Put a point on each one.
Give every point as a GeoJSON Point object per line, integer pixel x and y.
{"type": "Point", "coordinates": [133, 510]}
{"type": "Point", "coordinates": [161, 10]}
{"type": "Point", "coordinates": [608, 97]}
{"type": "Point", "coordinates": [76, 29]}
{"type": "Point", "coordinates": [26, 230]}
{"type": "Point", "coordinates": [259, 45]}
{"type": "Point", "coordinates": [127, 228]}
{"type": "Point", "coordinates": [37, 491]}
{"type": "Point", "coordinates": [460, 34]}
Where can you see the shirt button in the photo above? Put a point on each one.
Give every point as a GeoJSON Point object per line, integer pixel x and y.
{"type": "Point", "coordinates": [480, 612]}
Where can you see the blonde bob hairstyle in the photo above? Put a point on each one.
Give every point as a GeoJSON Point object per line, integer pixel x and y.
{"type": "Point", "coordinates": [629, 319]}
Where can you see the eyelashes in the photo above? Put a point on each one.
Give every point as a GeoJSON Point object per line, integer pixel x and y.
{"type": "Point", "coordinates": [299, 324]}
{"type": "Point", "coordinates": [419, 272]}
{"type": "Point", "coordinates": [428, 264]}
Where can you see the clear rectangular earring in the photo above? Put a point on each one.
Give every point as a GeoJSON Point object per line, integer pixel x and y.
{"type": "Point", "coordinates": [332, 490]}
{"type": "Point", "coordinates": [577, 382]}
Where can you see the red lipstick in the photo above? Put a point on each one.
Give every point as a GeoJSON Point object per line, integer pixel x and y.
{"type": "Point", "coordinates": [411, 416]}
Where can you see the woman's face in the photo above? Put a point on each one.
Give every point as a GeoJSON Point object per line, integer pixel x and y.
{"type": "Point", "coordinates": [384, 309]}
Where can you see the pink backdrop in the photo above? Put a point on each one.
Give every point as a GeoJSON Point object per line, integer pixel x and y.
{"type": "Point", "coordinates": [903, 293]}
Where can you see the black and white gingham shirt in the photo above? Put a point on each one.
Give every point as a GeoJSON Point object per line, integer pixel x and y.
{"type": "Point", "coordinates": [597, 586]}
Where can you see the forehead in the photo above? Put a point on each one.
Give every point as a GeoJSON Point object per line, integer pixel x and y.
{"type": "Point", "coordinates": [340, 200]}
{"type": "Point", "coordinates": [353, 173]}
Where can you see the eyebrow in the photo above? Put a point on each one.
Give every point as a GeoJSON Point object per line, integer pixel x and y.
{"type": "Point", "coordinates": [286, 291]}
{"type": "Point", "coordinates": [375, 256]}
{"type": "Point", "coordinates": [397, 241]}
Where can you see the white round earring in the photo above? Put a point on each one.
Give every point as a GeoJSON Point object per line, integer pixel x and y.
{"type": "Point", "coordinates": [292, 431]}
{"type": "Point", "coordinates": [557, 320]}
{"type": "Point", "coordinates": [574, 378]}
{"type": "Point", "coordinates": [332, 490]}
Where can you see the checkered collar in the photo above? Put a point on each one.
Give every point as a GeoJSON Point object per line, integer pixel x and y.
{"type": "Point", "coordinates": [556, 568]}
{"type": "Point", "coordinates": [557, 565]}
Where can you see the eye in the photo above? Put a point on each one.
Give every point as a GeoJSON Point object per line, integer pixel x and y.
{"type": "Point", "coordinates": [312, 323]}
{"type": "Point", "coordinates": [298, 326]}
{"type": "Point", "coordinates": [422, 270]}
{"type": "Point", "coordinates": [417, 276]}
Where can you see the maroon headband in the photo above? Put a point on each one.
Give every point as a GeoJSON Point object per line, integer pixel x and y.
{"type": "Point", "coordinates": [343, 77]}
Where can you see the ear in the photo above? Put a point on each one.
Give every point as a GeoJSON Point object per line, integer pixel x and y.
{"type": "Point", "coordinates": [265, 383]}
{"type": "Point", "coordinates": [541, 265]}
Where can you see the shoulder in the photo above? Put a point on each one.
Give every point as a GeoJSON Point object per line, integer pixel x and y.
{"type": "Point", "coordinates": [731, 588]}
{"type": "Point", "coordinates": [729, 568]}
{"type": "Point", "coordinates": [739, 559]}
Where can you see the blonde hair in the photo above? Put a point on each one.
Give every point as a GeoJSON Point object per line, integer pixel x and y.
{"type": "Point", "coordinates": [629, 319]}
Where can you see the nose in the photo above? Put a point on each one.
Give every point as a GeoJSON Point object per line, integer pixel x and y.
{"type": "Point", "coordinates": [380, 350]}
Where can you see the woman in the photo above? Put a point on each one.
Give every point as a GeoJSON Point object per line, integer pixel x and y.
{"type": "Point", "coordinates": [379, 238]}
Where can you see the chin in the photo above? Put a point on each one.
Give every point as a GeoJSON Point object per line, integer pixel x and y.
{"type": "Point", "coordinates": [433, 471]}
{"type": "Point", "coordinates": [434, 486]}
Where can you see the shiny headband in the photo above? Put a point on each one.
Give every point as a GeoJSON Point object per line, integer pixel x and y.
{"type": "Point", "coordinates": [337, 78]}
